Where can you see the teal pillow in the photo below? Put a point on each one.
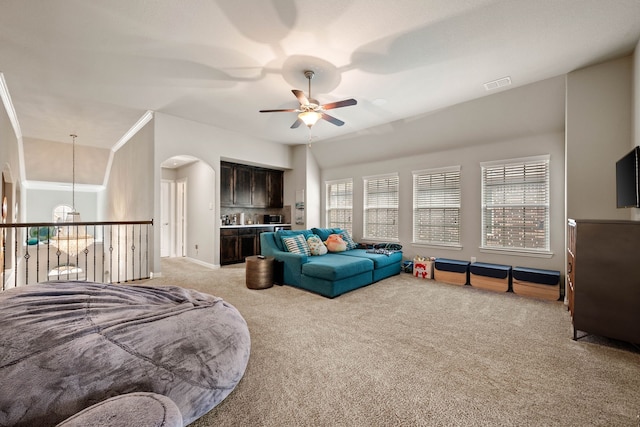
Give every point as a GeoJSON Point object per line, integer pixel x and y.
{"type": "Point", "coordinates": [324, 233]}
{"type": "Point", "coordinates": [296, 244]}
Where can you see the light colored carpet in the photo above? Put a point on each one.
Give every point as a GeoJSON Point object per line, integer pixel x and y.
{"type": "Point", "coordinates": [410, 352]}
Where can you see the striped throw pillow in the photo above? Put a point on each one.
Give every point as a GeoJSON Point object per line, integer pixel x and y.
{"type": "Point", "coordinates": [348, 240]}
{"type": "Point", "coordinates": [296, 244]}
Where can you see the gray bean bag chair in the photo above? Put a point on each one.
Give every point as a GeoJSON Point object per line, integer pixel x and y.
{"type": "Point", "coordinates": [65, 346]}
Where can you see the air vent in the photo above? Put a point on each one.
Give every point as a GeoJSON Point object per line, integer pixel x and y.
{"type": "Point", "coordinates": [505, 81]}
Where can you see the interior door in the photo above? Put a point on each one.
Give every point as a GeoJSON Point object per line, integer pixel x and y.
{"type": "Point", "coordinates": [165, 218]}
{"type": "Point", "coordinates": [181, 217]}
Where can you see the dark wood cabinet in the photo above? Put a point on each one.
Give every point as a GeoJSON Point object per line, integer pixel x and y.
{"type": "Point", "coordinates": [237, 243]}
{"type": "Point", "coordinates": [226, 184]}
{"type": "Point", "coordinates": [229, 246]}
{"type": "Point", "coordinates": [275, 189]}
{"type": "Point", "coordinates": [246, 243]}
{"type": "Point", "coordinates": [250, 186]}
{"type": "Point", "coordinates": [260, 188]}
{"type": "Point", "coordinates": [242, 176]}
{"type": "Point", "coordinates": [603, 278]}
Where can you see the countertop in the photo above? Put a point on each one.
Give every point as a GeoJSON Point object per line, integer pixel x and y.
{"type": "Point", "coordinates": [255, 225]}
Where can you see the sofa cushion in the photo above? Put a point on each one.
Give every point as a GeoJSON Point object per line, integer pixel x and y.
{"type": "Point", "coordinates": [379, 260]}
{"type": "Point", "coordinates": [336, 267]}
{"type": "Point", "coordinates": [496, 271]}
{"type": "Point", "coordinates": [536, 275]}
{"type": "Point", "coordinates": [296, 244]}
{"type": "Point", "coordinates": [324, 233]}
{"type": "Point", "coordinates": [452, 265]}
{"type": "Point", "coordinates": [316, 245]}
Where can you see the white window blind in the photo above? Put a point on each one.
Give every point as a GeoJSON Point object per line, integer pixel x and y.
{"type": "Point", "coordinates": [340, 204]}
{"type": "Point", "coordinates": [515, 204]}
{"type": "Point", "coordinates": [436, 206]}
{"type": "Point", "coordinates": [381, 207]}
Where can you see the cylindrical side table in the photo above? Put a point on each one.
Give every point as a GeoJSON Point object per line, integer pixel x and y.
{"type": "Point", "coordinates": [259, 272]}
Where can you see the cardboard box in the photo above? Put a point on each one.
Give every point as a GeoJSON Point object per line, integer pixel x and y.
{"type": "Point", "coordinates": [422, 268]}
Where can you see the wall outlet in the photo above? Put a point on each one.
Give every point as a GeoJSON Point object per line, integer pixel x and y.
{"type": "Point", "coordinates": [473, 259]}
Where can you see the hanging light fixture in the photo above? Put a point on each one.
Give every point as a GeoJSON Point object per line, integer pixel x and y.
{"type": "Point", "coordinates": [309, 118]}
{"type": "Point", "coordinates": [72, 239]}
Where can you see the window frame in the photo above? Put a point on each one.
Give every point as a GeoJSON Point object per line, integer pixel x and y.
{"type": "Point", "coordinates": [448, 203]}
{"type": "Point", "coordinates": [367, 209]}
{"type": "Point", "coordinates": [526, 233]}
{"type": "Point", "coordinates": [348, 206]}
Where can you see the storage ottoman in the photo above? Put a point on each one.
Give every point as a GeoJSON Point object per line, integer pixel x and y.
{"type": "Point", "coordinates": [492, 277]}
{"type": "Point", "coordinates": [451, 271]}
{"type": "Point", "coordinates": [537, 283]}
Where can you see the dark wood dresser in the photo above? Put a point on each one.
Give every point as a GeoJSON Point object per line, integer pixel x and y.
{"type": "Point", "coordinates": [603, 278]}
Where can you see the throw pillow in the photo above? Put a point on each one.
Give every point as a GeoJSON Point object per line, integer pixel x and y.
{"type": "Point", "coordinates": [296, 244]}
{"type": "Point", "coordinates": [348, 240]}
{"type": "Point", "coordinates": [335, 243]}
{"type": "Point", "coordinates": [324, 233]}
{"type": "Point", "coordinates": [316, 245]}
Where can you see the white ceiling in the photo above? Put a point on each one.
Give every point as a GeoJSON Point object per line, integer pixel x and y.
{"type": "Point", "coordinates": [94, 67]}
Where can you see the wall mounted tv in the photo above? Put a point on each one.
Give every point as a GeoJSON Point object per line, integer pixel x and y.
{"type": "Point", "coordinates": [628, 180]}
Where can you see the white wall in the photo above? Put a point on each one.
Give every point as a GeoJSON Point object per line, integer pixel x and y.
{"type": "Point", "coordinates": [201, 215]}
{"type": "Point", "coordinates": [305, 176]}
{"type": "Point", "coordinates": [313, 192]}
{"type": "Point", "coordinates": [598, 133]}
{"type": "Point", "coordinates": [469, 159]}
{"type": "Point", "coordinates": [41, 202]}
{"type": "Point", "coordinates": [129, 194]}
{"type": "Point", "coordinates": [175, 136]}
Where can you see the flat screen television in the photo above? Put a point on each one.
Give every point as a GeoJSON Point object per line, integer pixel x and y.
{"type": "Point", "coordinates": [628, 180]}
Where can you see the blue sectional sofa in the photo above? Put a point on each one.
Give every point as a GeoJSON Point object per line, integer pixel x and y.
{"type": "Point", "coordinates": [331, 274]}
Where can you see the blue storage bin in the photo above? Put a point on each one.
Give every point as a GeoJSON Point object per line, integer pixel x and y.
{"type": "Point", "coordinates": [492, 277]}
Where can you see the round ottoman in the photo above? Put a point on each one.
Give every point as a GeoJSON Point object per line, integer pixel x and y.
{"type": "Point", "coordinates": [259, 271]}
{"type": "Point", "coordinates": [69, 345]}
{"type": "Point", "coordinates": [133, 409]}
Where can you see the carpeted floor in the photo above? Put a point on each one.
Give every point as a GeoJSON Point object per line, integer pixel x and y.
{"type": "Point", "coordinates": [409, 352]}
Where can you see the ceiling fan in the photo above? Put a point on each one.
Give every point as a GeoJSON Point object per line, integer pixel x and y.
{"type": "Point", "coordinates": [310, 111]}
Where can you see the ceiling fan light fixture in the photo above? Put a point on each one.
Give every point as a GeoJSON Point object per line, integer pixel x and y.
{"type": "Point", "coordinates": [309, 118]}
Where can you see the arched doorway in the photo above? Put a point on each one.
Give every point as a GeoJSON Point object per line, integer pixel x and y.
{"type": "Point", "coordinates": [187, 209]}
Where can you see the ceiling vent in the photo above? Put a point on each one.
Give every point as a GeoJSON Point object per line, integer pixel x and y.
{"type": "Point", "coordinates": [505, 81]}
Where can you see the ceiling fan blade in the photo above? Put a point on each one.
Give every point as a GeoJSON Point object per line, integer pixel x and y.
{"type": "Point", "coordinates": [332, 119]}
{"type": "Point", "coordinates": [297, 123]}
{"type": "Point", "coordinates": [302, 98]}
{"type": "Point", "coordinates": [339, 104]}
{"type": "Point", "coordinates": [278, 111]}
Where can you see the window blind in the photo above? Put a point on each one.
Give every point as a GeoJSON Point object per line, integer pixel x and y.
{"type": "Point", "coordinates": [436, 206]}
{"type": "Point", "coordinates": [381, 207]}
{"type": "Point", "coordinates": [515, 204]}
{"type": "Point", "coordinates": [340, 204]}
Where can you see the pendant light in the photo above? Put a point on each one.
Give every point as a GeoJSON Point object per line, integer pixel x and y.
{"type": "Point", "coordinates": [73, 239]}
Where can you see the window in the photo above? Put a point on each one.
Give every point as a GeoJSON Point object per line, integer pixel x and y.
{"type": "Point", "coordinates": [436, 206]}
{"type": "Point", "coordinates": [381, 207]}
{"type": "Point", "coordinates": [515, 204]}
{"type": "Point", "coordinates": [60, 213]}
{"type": "Point", "coordinates": [340, 204]}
